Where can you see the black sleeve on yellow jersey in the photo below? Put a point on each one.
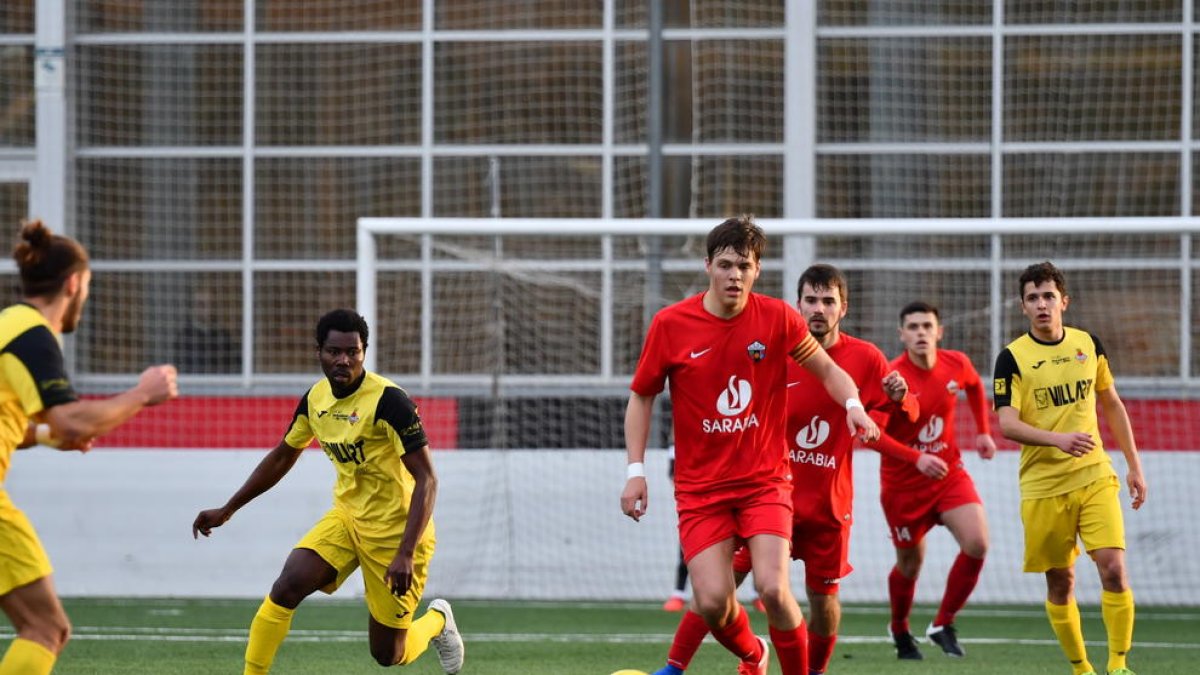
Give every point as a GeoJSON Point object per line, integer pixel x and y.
{"type": "Point", "coordinates": [1099, 347]}
{"type": "Point", "coordinates": [398, 411]}
{"type": "Point", "coordinates": [38, 349]}
{"type": "Point", "coordinates": [301, 408]}
{"type": "Point", "coordinates": [1006, 370]}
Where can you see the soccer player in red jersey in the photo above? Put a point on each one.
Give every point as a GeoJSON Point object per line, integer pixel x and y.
{"type": "Point", "coordinates": [914, 502]}
{"type": "Point", "coordinates": [820, 449]}
{"type": "Point", "coordinates": [725, 354]}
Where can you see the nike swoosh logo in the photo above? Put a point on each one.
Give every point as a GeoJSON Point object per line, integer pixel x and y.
{"type": "Point", "coordinates": [792, 384]}
{"type": "Point", "coordinates": [700, 353]}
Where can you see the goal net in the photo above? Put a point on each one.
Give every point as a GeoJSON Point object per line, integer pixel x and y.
{"type": "Point", "coordinates": [534, 327]}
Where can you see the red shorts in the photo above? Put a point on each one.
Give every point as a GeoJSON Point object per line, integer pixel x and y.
{"type": "Point", "coordinates": [912, 513]}
{"type": "Point", "coordinates": [824, 548]}
{"type": "Point", "coordinates": [706, 520]}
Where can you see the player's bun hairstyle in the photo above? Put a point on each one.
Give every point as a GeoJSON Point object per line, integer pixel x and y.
{"type": "Point", "coordinates": [821, 276]}
{"type": "Point", "coordinates": [919, 306]}
{"type": "Point", "coordinates": [343, 320]}
{"type": "Point", "coordinates": [740, 235]}
{"type": "Point", "coordinates": [45, 260]}
{"type": "Point", "coordinates": [1039, 273]}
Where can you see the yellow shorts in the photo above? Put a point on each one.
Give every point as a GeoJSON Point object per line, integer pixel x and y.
{"type": "Point", "coordinates": [1052, 524]}
{"type": "Point", "coordinates": [22, 558]}
{"type": "Point", "coordinates": [335, 539]}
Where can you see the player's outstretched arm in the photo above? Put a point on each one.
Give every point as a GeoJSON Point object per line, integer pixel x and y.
{"type": "Point", "coordinates": [842, 388]}
{"type": "Point", "coordinates": [75, 424]}
{"type": "Point", "coordinates": [273, 467]}
{"type": "Point", "coordinates": [635, 496]}
{"type": "Point", "coordinates": [1118, 421]}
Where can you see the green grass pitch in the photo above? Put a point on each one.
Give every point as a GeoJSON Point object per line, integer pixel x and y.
{"type": "Point", "coordinates": [176, 636]}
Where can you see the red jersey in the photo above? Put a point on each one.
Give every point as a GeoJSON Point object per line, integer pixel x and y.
{"type": "Point", "coordinates": [728, 381]}
{"type": "Point", "coordinates": [936, 390]}
{"type": "Point", "coordinates": [819, 441]}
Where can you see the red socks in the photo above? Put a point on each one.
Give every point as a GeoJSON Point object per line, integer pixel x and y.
{"type": "Point", "coordinates": [688, 638]}
{"type": "Point", "coordinates": [738, 637]}
{"type": "Point", "coordinates": [791, 646]}
{"type": "Point", "coordinates": [964, 574]}
{"type": "Point", "coordinates": [820, 650]}
{"type": "Point", "coordinates": [901, 590]}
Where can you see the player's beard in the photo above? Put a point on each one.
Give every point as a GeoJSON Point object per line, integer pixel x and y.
{"type": "Point", "coordinates": [824, 329]}
{"type": "Point", "coordinates": [73, 314]}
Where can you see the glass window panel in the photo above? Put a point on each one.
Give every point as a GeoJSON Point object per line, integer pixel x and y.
{"type": "Point", "coordinates": [903, 12]}
{"type": "Point", "coordinates": [396, 337]}
{"type": "Point", "coordinates": [14, 203]}
{"type": "Point", "coordinates": [1092, 11]}
{"type": "Point", "coordinates": [630, 187]}
{"type": "Point", "coordinates": [17, 100]}
{"type": "Point", "coordinates": [16, 16]}
{"type": "Point", "coordinates": [307, 208]}
{"type": "Point", "coordinates": [156, 209]}
{"type": "Point", "coordinates": [904, 89]}
{"type": "Point", "coordinates": [1091, 184]}
{"type": "Point", "coordinates": [149, 95]}
{"type": "Point", "coordinates": [903, 186]}
{"type": "Point", "coordinates": [517, 187]}
{"type": "Point", "coordinates": [518, 92]}
{"type": "Point", "coordinates": [526, 322]}
{"type": "Point", "coordinates": [738, 89]}
{"type": "Point", "coordinates": [135, 319]}
{"type": "Point", "coordinates": [1131, 246]}
{"type": "Point", "coordinates": [287, 306]}
{"type": "Point", "coordinates": [184, 16]}
{"type": "Point", "coordinates": [730, 185]}
{"type": "Point", "coordinates": [337, 15]}
{"type": "Point", "coordinates": [1113, 307]}
{"type": "Point", "coordinates": [705, 13]}
{"type": "Point", "coordinates": [338, 94]}
{"type": "Point", "coordinates": [537, 14]}
{"type": "Point", "coordinates": [1092, 87]}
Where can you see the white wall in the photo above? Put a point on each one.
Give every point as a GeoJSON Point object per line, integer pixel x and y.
{"type": "Point", "coordinates": [535, 525]}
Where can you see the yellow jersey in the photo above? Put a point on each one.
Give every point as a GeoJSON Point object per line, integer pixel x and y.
{"type": "Point", "coordinates": [1053, 387]}
{"type": "Point", "coordinates": [32, 375]}
{"type": "Point", "coordinates": [364, 434]}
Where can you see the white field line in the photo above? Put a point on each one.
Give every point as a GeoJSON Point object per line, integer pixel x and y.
{"type": "Point", "coordinates": [184, 634]}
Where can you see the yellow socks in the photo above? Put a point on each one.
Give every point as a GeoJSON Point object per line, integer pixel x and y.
{"type": "Point", "coordinates": [420, 633]}
{"type": "Point", "coordinates": [1117, 610]}
{"type": "Point", "coordinates": [1064, 619]}
{"type": "Point", "coordinates": [26, 657]}
{"type": "Point", "coordinates": [267, 631]}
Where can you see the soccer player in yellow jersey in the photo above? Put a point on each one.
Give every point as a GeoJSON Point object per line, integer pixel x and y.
{"type": "Point", "coordinates": [1047, 384]}
{"type": "Point", "coordinates": [38, 405]}
{"type": "Point", "coordinates": [381, 518]}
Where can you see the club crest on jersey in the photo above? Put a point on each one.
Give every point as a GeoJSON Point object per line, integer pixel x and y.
{"type": "Point", "coordinates": [1080, 356]}
{"type": "Point", "coordinates": [757, 351]}
{"type": "Point", "coordinates": [352, 418]}
{"type": "Point", "coordinates": [952, 387]}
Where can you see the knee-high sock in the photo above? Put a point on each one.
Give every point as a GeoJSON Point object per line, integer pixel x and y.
{"type": "Point", "coordinates": [901, 590]}
{"type": "Point", "coordinates": [820, 650]}
{"type": "Point", "coordinates": [964, 574]}
{"type": "Point", "coordinates": [738, 638]}
{"type": "Point", "coordinates": [420, 633]}
{"type": "Point", "coordinates": [26, 657]}
{"type": "Point", "coordinates": [688, 636]}
{"type": "Point", "coordinates": [270, 626]}
{"type": "Point", "coordinates": [1064, 619]}
{"type": "Point", "coordinates": [791, 647]}
{"type": "Point", "coordinates": [1117, 610]}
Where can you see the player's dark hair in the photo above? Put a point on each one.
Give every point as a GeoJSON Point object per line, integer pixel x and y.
{"type": "Point", "coordinates": [1040, 273]}
{"type": "Point", "coordinates": [343, 320]}
{"type": "Point", "coordinates": [822, 276]}
{"type": "Point", "coordinates": [919, 306]}
{"type": "Point", "coordinates": [45, 260]}
{"type": "Point", "coordinates": [740, 235]}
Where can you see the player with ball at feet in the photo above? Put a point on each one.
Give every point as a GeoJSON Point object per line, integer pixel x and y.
{"type": "Point", "coordinates": [725, 353]}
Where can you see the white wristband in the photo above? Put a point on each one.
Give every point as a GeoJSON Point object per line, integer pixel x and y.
{"type": "Point", "coordinates": [852, 403]}
{"type": "Point", "coordinates": [42, 435]}
{"type": "Point", "coordinates": [635, 470]}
